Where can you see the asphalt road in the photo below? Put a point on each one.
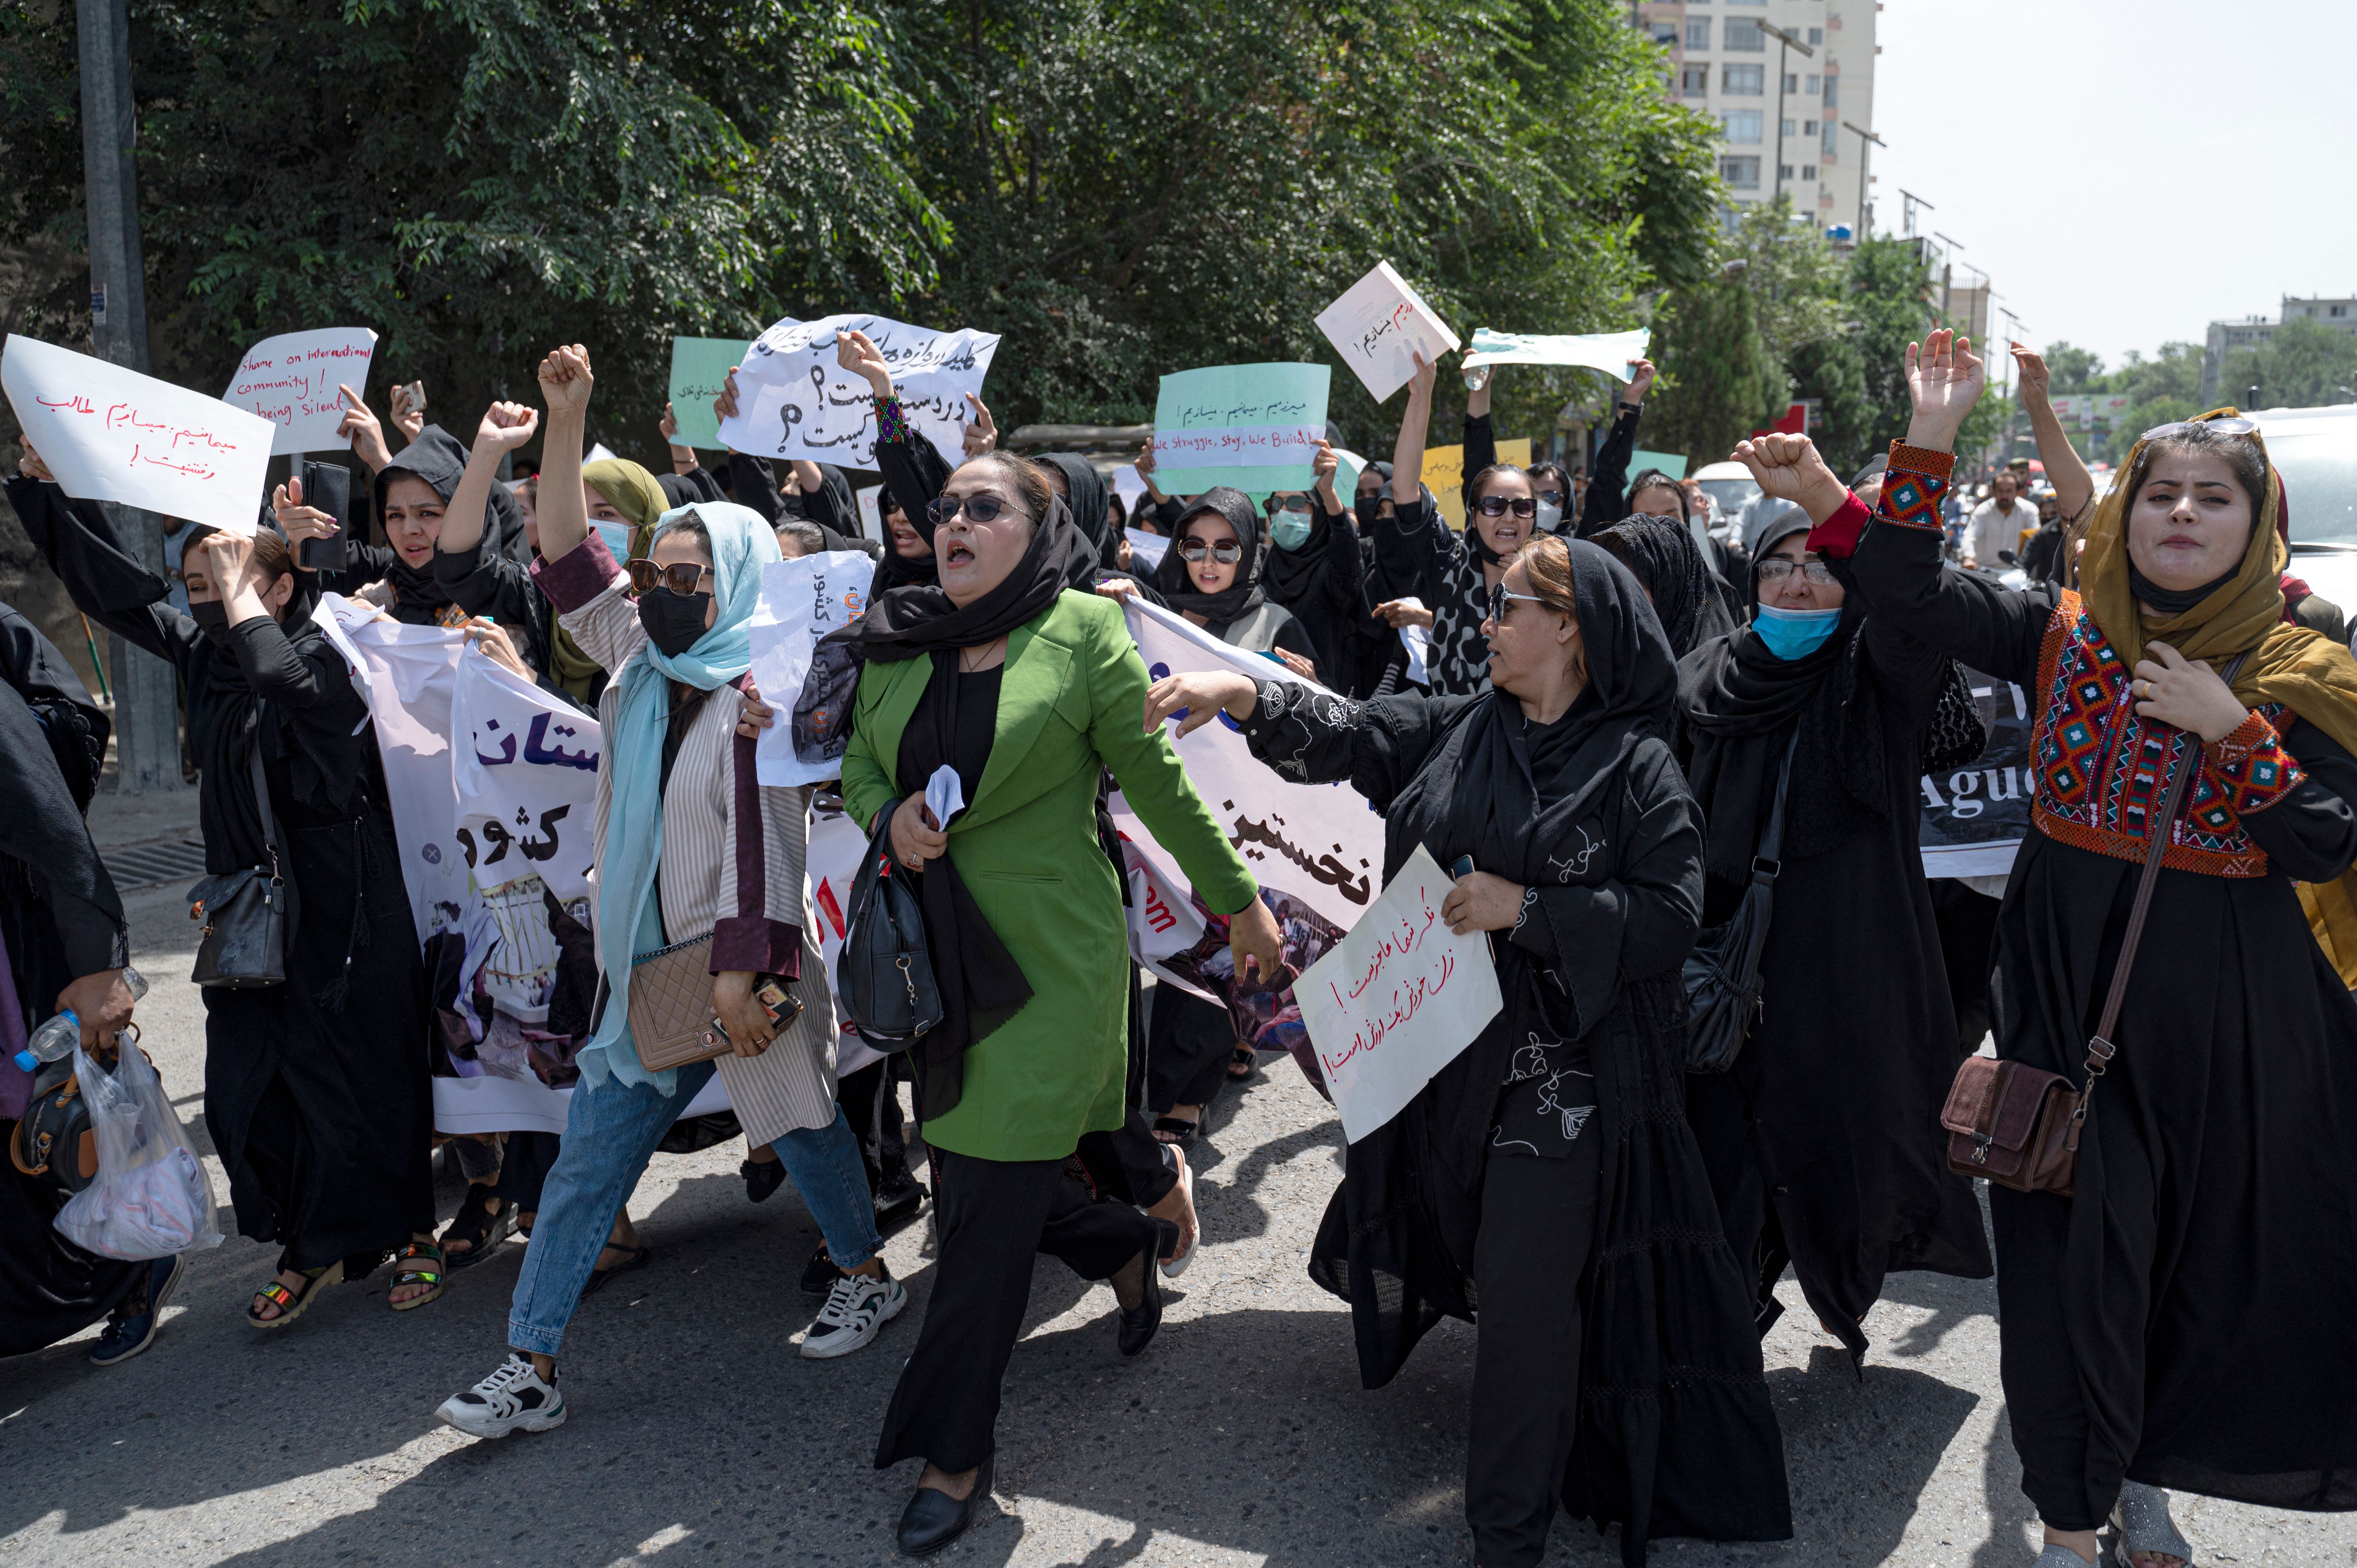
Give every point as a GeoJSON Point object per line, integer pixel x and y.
{"type": "Point", "coordinates": [698, 1435]}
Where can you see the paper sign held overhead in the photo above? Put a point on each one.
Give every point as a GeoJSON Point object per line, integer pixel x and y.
{"type": "Point", "coordinates": [802, 601]}
{"type": "Point", "coordinates": [1397, 998]}
{"type": "Point", "coordinates": [1253, 427]}
{"type": "Point", "coordinates": [112, 435]}
{"type": "Point", "coordinates": [699, 369]}
{"type": "Point", "coordinates": [795, 401]}
{"type": "Point", "coordinates": [1377, 327]}
{"type": "Point", "coordinates": [1608, 352]}
{"type": "Point", "coordinates": [291, 381]}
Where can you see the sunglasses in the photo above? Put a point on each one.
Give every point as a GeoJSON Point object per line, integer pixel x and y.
{"type": "Point", "coordinates": [1499, 597]}
{"type": "Point", "coordinates": [1498, 506]}
{"type": "Point", "coordinates": [981, 507]}
{"type": "Point", "coordinates": [1550, 497]}
{"type": "Point", "coordinates": [1292, 503]}
{"type": "Point", "coordinates": [1226, 554]}
{"type": "Point", "coordinates": [1815, 571]}
{"type": "Point", "coordinates": [680, 578]}
{"type": "Point", "coordinates": [2222, 426]}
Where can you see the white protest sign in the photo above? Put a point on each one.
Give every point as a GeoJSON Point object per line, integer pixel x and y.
{"type": "Point", "coordinates": [830, 867]}
{"type": "Point", "coordinates": [1145, 550]}
{"type": "Point", "coordinates": [1129, 485]}
{"type": "Point", "coordinates": [527, 780]}
{"type": "Point", "coordinates": [1608, 352]}
{"type": "Point", "coordinates": [795, 401]}
{"type": "Point", "coordinates": [1377, 327]}
{"type": "Point", "coordinates": [802, 601]}
{"type": "Point", "coordinates": [1396, 999]}
{"type": "Point", "coordinates": [112, 435]}
{"type": "Point", "coordinates": [871, 511]}
{"type": "Point", "coordinates": [291, 381]}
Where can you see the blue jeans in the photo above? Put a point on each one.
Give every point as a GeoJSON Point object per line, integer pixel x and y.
{"type": "Point", "coordinates": [611, 1132]}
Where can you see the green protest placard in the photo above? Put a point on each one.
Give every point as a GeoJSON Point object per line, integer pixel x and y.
{"type": "Point", "coordinates": [1673, 464]}
{"type": "Point", "coordinates": [1253, 426]}
{"type": "Point", "coordinates": [699, 366]}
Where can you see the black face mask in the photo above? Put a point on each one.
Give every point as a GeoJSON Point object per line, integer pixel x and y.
{"type": "Point", "coordinates": [1369, 509]}
{"type": "Point", "coordinates": [2175, 601]}
{"type": "Point", "coordinates": [791, 506]}
{"type": "Point", "coordinates": [674, 622]}
{"type": "Point", "coordinates": [211, 617]}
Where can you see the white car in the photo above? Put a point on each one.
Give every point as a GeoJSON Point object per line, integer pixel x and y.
{"type": "Point", "coordinates": [1729, 485]}
{"type": "Point", "coordinates": [2315, 451]}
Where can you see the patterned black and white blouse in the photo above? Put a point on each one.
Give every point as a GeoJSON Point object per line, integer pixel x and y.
{"type": "Point", "coordinates": [1417, 546]}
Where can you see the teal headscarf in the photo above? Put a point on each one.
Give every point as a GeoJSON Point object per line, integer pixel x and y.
{"type": "Point", "coordinates": [628, 923]}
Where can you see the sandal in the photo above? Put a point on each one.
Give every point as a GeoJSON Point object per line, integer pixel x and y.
{"type": "Point", "coordinates": [2141, 1519]}
{"type": "Point", "coordinates": [1242, 1063]}
{"type": "Point", "coordinates": [1182, 1131]}
{"type": "Point", "coordinates": [640, 1257]}
{"type": "Point", "coordinates": [289, 1305]}
{"type": "Point", "coordinates": [434, 1276]}
{"type": "Point", "coordinates": [477, 1226]}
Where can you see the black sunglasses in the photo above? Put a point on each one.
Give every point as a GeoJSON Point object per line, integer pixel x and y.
{"type": "Point", "coordinates": [1497, 598]}
{"type": "Point", "coordinates": [680, 578]}
{"type": "Point", "coordinates": [1498, 506]}
{"type": "Point", "coordinates": [980, 507]}
{"type": "Point", "coordinates": [2222, 426]}
{"type": "Point", "coordinates": [1227, 554]}
{"type": "Point", "coordinates": [1292, 503]}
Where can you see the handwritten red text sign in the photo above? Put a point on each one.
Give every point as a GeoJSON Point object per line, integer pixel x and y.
{"type": "Point", "coordinates": [1397, 998]}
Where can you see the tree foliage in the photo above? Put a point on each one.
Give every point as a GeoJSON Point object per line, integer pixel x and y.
{"type": "Point", "coordinates": [2303, 364]}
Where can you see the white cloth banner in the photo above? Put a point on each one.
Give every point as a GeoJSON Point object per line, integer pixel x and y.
{"type": "Point", "coordinates": [112, 435]}
{"type": "Point", "coordinates": [1608, 352]}
{"type": "Point", "coordinates": [1377, 327]}
{"type": "Point", "coordinates": [526, 776]}
{"type": "Point", "coordinates": [795, 401]}
{"type": "Point", "coordinates": [833, 862]}
{"type": "Point", "coordinates": [1396, 999]}
{"type": "Point", "coordinates": [803, 601]}
{"type": "Point", "coordinates": [291, 381]}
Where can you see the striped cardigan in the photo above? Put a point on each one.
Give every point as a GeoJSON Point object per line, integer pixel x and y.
{"type": "Point", "coordinates": [732, 855]}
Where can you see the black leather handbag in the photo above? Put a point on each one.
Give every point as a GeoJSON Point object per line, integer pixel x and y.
{"type": "Point", "coordinates": [1722, 972]}
{"type": "Point", "coordinates": [885, 972]}
{"type": "Point", "coordinates": [54, 1141]}
{"type": "Point", "coordinates": [247, 914]}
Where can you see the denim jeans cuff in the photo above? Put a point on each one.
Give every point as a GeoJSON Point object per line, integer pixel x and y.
{"type": "Point", "coordinates": [533, 1340]}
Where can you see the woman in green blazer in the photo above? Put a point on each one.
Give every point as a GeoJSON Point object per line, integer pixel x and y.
{"type": "Point", "coordinates": [1029, 694]}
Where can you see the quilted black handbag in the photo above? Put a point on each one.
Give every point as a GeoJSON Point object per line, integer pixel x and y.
{"type": "Point", "coordinates": [885, 973]}
{"type": "Point", "coordinates": [1722, 972]}
{"type": "Point", "coordinates": [1955, 734]}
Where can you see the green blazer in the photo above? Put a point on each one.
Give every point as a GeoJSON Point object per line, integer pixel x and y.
{"type": "Point", "coordinates": [1071, 705]}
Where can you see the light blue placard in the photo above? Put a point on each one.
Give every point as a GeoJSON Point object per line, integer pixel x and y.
{"type": "Point", "coordinates": [1253, 426]}
{"type": "Point", "coordinates": [699, 366]}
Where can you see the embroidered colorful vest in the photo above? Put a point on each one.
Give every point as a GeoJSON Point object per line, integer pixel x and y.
{"type": "Point", "coordinates": [2102, 769]}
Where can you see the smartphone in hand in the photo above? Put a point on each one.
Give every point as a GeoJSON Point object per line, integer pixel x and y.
{"type": "Point", "coordinates": [328, 487]}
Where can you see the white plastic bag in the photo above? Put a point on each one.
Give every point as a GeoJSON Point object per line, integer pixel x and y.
{"type": "Point", "coordinates": [152, 1196]}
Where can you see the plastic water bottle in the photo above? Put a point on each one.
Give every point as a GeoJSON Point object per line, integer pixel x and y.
{"type": "Point", "coordinates": [57, 1038]}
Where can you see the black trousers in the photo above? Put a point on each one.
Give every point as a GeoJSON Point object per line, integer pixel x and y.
{"type": "Point", "coordinates": [992, 1217]}
{"type": "Point", "coordinates": [1188, 1045]}
{"type": "Point", "coordinates": [1538, 1221]}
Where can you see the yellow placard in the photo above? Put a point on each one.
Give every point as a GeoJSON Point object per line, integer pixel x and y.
{"type": "Point", "coordinates": [1443, 471]}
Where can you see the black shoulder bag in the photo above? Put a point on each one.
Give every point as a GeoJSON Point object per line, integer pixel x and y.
{"type": "Point", "coordinates": [884, 972]}
{"type": "Point", "coordinates": [1722, 973]}
{"type": "Point", "coordinates": [247, 914]}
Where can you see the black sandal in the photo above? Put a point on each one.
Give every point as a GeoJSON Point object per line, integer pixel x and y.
{"type": "Point", "coordinates": [1184, 1128]}
{"type": "Point", "coordinates": [477, 1226]}
{"type": "Point", "coordinates": [435, 1276]}
{"type": "Point", "coordinates": [1244, 1063]}
{"type": "Point", "coordinates": [640, 1257]}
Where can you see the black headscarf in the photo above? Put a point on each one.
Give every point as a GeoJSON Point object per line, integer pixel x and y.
{"type": "Point", "coordinates": [437, 457]}
{"type": "Point", "coordinates": [1241, 596]}
{"type": "Point", "coordinates": [918, 618]}
{"type": "Point", "coordinates": [833, 506]}
{"type": "Point", "coordinates": [1289, 576]}
{"type": "Point", "coordinates": [1661, 554]}
{"type": "Point", "coordinates": [1085, 488]}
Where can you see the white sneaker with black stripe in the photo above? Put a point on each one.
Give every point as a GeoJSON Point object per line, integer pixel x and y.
{"type": "Point", "coordinates": [513, 1399]}
{"type": "Point", "coordinates": [855, 1308]}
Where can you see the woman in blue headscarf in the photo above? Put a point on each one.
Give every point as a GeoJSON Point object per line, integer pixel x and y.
{"type": "Point", "coordinates": [704, 851]}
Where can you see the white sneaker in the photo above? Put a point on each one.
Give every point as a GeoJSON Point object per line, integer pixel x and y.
{"type": "Point", "coordinates": [513, 1399]}
{"type": "Point", "coordinates": [855, 1308]}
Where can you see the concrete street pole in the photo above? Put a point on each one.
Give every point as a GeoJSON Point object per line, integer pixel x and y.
{"type": "Point", "coordinates": [146, 707]}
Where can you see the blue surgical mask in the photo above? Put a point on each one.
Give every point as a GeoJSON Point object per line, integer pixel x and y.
{"type": "Point", "coordinates": [1550, 517]}
{"type": "Point", "coordinates": [1794, 634]}
{"type": "Point", "coordinates": [1290, 529]}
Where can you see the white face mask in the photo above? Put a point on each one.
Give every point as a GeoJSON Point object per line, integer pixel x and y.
{"type": "Point", "coordinates": [1550, 517]}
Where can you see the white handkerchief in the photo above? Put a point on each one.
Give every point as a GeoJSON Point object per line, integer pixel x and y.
{"type": "Point", "coordinates": [945, 794]}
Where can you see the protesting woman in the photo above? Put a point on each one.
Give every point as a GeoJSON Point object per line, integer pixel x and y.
{"type": "Point", "coordinates": [2180, 1318]}
{"type": "Point", "coordinates": [1026, 694]}
{"type": "Point", "coordinates": [1832, 706]}
{"type": "Point", "coordinates": [1602, 504]}
{"type": "Point", "coordinates": [316, 1095]}
{"type": "Point", "coordinates": [1689, 598]}
{"type": "Point", "coordinates": [1317, 568]}
{"type": "Point", "coordinates": [697, 849]}
{"type": "Point", "coordinates": [1544, 1173]}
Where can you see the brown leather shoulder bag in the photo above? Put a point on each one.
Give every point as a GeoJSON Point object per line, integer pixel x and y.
{"type": "Point", "coordinates": [2019, 1127]}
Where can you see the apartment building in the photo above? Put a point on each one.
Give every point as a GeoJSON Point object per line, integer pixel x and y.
{"type": "Point", "coordinates": [1781, 112]}
{"type": "Point", "coordinates": [2340, 315]}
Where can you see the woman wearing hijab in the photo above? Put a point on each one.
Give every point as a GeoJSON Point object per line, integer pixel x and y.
{"type": "Point", "coordinates": [706, 851]}
{"type": "Point", "coordinates": [1317, 567]}
{"type": "Point", "coordinates": [1851, 1183]}
{"type": "Point", "coordinates": [1026, 694]}
{"type": "Point", "coordinates": [2181, 1318]}
{"type": "Point", "coordinates": [316, 1096]}
{"type": "Point", "coordinates": [1603, 503]}
{"type": "Point", "coordinates": [1689, 598]}
{"type": "Point", "coordinates": [1545, 1174]}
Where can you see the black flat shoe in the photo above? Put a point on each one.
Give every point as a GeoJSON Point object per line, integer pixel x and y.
{"type": "Point", "coordinates": [1140, 1323]}
{"type": "Point", "coordinates": [763, 1177]}
{"type": "Point", "coordinates": [932, 1520]}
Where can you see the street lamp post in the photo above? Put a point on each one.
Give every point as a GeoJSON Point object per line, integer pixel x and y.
{"type": "Point", "coordinates": [1864, 136]}
{"type": "Point", "coordinates": [1784, 40]}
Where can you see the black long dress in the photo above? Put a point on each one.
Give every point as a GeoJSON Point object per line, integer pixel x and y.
{"type": "Point", "coordinates": [1823, 1139]}
{"type": "Point", "coordinates": [61, 920]}
{"type": "Point", "coordinates": [1674, 1435]}
{"type": "Point", "coordinates": [316, 1093]}
{"type": "Point", "coordinates": [2184, 1319]}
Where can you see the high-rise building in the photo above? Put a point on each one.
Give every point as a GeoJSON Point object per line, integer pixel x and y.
{"type": "Point", "coordinates": [2340, 315]}
{"type": "Point", "coordinates": [1779, 112]}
